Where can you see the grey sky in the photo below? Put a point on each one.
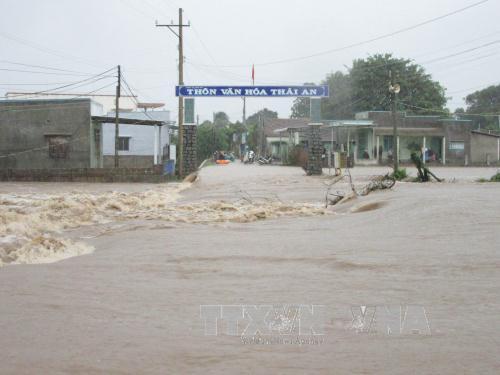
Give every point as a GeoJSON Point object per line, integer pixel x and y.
{"type": "Point", "coordinates": [94, 35]}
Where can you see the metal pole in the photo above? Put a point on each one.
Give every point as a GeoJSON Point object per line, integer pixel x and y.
{"type": "Point", "coordinates": [160, 151]}
{"type": "Point", "coordinates": [117, 117]}
{"type": "Point", "coordinates": [395, 145]}
{"type": "Point", "coordinates": [244, 124]}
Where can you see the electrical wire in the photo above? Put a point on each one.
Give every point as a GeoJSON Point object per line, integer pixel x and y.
{"type": "Point", "coordinates": [43, 67]}
{"type": "Point", "coordinates": [364, 42]}
{"type": "Point", "coordinates": [81, 83]}
{"type": "Point", "coordinates": [448, 113]}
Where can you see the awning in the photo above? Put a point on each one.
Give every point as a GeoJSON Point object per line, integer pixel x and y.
{"type": "Point", "coordinates": [128, 121]}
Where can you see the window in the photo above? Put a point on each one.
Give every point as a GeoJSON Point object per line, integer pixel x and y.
{"type": "Point", "coordinates": [387, 142]}
{"type": "Point", "coordinates": [123, 143]}
{"type": "Point", "coordinates": [58, 147]}
{"type": "Point", "coordinates": [457, 145]}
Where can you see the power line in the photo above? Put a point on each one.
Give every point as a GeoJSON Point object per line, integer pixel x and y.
{"type": "Point", "coordinates": [44, 73]}
{"type": "Point", "coordinates": [364, 42]}
{"type": "Point", "coordinates": [34, 84]}
{"type": "Point", "coordinates": [44, 49]}
{"type": "Point", "coordinates": [446, 112]}
{"type": "Point", "coordinates": [43, 106]}
{"type": "Point", "coordinates": [86, 81]}
{"type": "Point", "coordinates": [462, 52]}
{"type": "Point", "coordinates": [42, 67]}
{"type": "Point", "coordinates": [474, 88]}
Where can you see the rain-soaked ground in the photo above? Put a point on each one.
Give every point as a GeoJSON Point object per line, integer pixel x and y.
{"type": "Point", "coordinates": [407, 279]}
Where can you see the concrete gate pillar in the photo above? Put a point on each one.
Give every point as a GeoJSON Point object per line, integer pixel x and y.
{"type": "Point", "coordinates": [314, 150]}
{"type": "Point", "coordinates": [189, 149]}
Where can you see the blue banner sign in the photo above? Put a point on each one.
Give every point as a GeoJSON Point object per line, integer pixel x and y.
{"type": "Point", "coordinates": [253, 91]}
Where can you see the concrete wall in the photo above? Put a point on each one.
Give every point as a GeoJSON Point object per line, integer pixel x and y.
{"type": "Point", "coordinates": [25, 126]}
{"type": "Point", "coordinates": [485, 149]}
{"type": "Point", "coordinates": [453, 130]}
{"type": "Point", "coordinates": [154, 175]}
{"type": "Point", "coordinates": [129, 161]}
{"type": "Point", "coordinates": [456, 131]}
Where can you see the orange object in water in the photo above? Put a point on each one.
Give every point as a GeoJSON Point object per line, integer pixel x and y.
{"type": "Point", "coordinates": [222, 161]}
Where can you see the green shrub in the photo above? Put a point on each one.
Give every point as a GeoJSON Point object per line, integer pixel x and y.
{"type": "Point", "coordinates": [400, 174]}
{"type": "Point", "coordinates": [496, 178]}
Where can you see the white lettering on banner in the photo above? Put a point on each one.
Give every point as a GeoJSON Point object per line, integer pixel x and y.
{"type": "Point", "coordinates": [231, 92]}
{"type": "Point", "coordinates": [255, 91]}
{"type": "Point", "coordinates": [309, 92]}
{"type": "Point", "coordinates": [204, 91]}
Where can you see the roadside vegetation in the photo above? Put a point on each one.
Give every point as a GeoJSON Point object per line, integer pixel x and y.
{"type": "Point", "coordinates": [494, 178]}
{"type": "Point", "coordinates": [400, 174]}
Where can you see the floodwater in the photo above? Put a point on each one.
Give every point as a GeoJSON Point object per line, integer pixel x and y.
{"type": "Point", "coordinates": [101, 278]}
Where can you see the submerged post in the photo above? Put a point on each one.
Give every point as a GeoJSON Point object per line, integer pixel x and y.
{"type": "Point", "coordinates": [314, 150]}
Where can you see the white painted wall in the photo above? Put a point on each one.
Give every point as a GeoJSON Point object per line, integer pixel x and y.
{"type": "Point", "coordinates": [143, 139]}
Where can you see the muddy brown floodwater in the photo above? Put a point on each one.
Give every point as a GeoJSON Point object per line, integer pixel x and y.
{"type": "Point", "coordinates": [112, 279]}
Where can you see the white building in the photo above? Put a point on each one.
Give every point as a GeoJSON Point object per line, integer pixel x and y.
{"type": "Point", "coordinates": [139, 146]}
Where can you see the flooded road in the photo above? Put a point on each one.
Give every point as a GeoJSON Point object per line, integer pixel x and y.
{"type": "Point", "coordinates": [250, 235]}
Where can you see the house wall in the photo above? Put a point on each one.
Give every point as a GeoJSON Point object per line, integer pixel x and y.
{"type": "Point", "coordinates": [143, 139]}
{"type": "Point", "coordinates": [484, 149]}
{"type": "Point", "coordinates": [456, 131]}
{"type": "Point", "coordinates": [453, 130]}
{"type": "Point", "coordinates": [25, 125]}
{"type": "Point", "coordinates": [129, 161]}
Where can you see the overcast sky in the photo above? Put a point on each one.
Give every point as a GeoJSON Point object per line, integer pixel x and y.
{"type": "Point", "coordinates": [91, 36]}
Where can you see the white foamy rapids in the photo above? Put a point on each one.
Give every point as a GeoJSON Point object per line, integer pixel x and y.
{"type": "Point", "coordinates": [28, 222]}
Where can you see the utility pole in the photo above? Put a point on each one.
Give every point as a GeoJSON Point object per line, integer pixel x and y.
{"type": "Point", "coordinates": [245, 125]}
{"type": "Point", "coordinates": [117, 117]}
{"type": "Point", "coordinates": [394, 90]}
{"type": "Point", "coordinates": [180, 118]}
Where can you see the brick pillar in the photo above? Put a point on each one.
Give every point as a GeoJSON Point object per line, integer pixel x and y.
{"type": "Point", "coordinates": [314, 150]}
{"type": "Point", "coordinates": [189, 149]}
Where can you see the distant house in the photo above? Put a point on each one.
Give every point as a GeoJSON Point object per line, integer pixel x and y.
{"type": "Point", "coordinates": [55, 133]}
{"type": "Point", "coordinates": [368, 139]}
{"type": "Point", "coordinates": [45, 134]}
{"type": "Point", "coordinates": [139, 146]}
{"type": "Point", "coordinates": [280, 134]}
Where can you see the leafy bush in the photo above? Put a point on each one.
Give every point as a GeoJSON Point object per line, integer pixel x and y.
{"type": "Point", "coordinates": [496, 178]}
{"type": "Point", "coordinates": [400, 174]}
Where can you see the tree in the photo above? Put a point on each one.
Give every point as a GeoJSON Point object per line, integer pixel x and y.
{"type": "Point", "coordinates": [210, 138]}
{"type": "Point", "coordinates": [486, 101]}
{"type": "Point", "coordinates": [370, 86]}
{"type": "Point", "coordinates": [221, 119]}
{"type": "Point", "coordinates": [263, 113]}
{"type": "Point", "coordinates": [301, 107]}
{"type": "Point", "coordinates": [366, 88]}
{"type": "Point", "coordinates": [339, 105]}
